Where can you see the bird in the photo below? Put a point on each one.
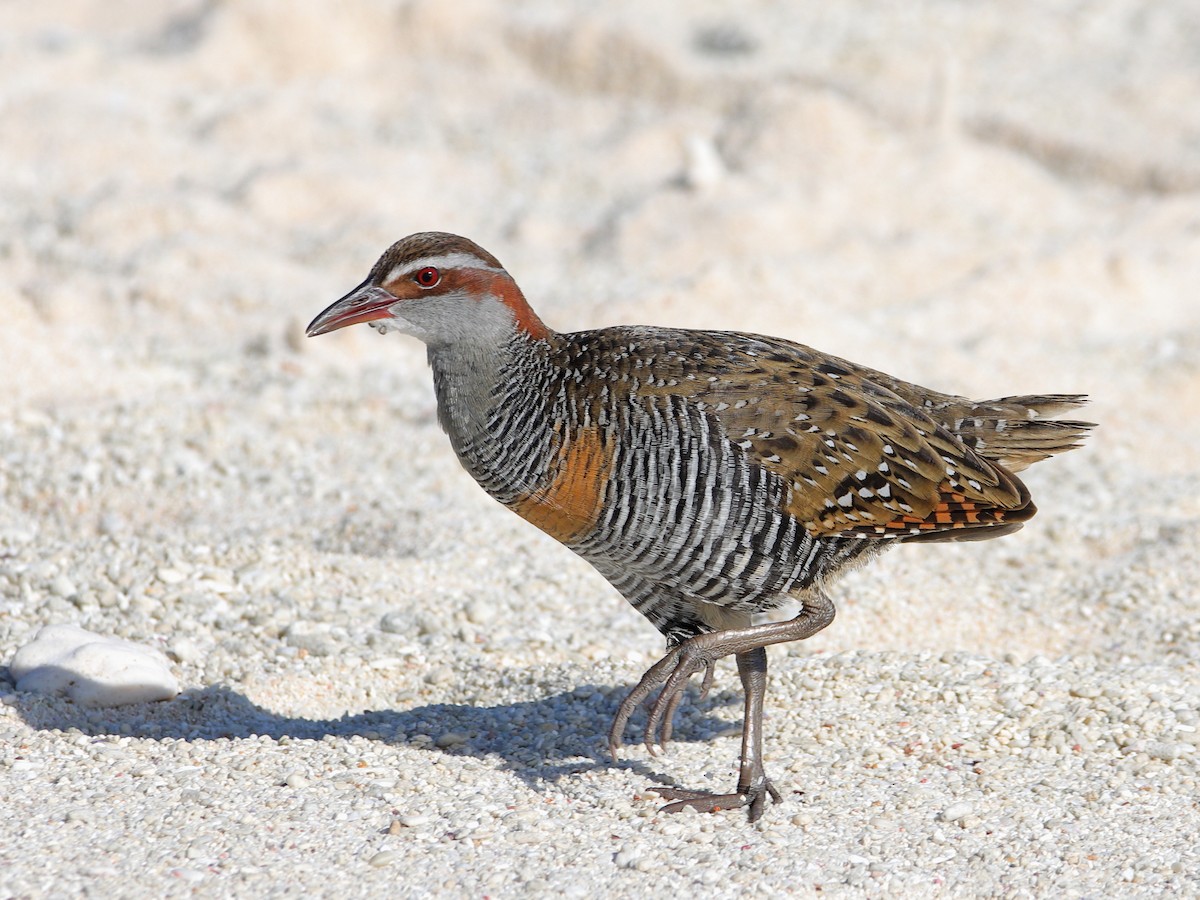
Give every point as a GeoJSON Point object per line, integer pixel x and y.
{"type": "Point", "coordinates": [709, 476]}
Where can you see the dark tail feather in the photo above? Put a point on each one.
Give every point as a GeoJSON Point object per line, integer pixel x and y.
{"type": "Point", "coordinates": [1018, 431]}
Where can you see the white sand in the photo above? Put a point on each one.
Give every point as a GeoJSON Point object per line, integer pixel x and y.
{"type": "Point", "coordinates": [394, 687]}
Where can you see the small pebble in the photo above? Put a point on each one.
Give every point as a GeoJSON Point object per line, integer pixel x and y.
{"type": "Point", "coordinates": [170, 576]}
{"type": "Point", "coordinates": [397, 623]}
{"type": "Point", "coordinates": [480, 611]}
{"type": "Point", "coordinates": [626, 857]}
{"type": "Point", "coordinates": [185, 650]}
{"type": "Point", "coordinates": [956, 811]}
{"type": "Point", "coordinates": [62, 586]}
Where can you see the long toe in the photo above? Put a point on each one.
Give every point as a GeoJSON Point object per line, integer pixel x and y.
{"type": "Point", "coordinates": [753, 799]}
{"type": "Point", "coordinates": [651, 679]}
{"type": "Point", "coordinates": [687, 660]}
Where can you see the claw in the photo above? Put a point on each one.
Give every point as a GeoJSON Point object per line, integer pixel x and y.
{"type": "Point", "coordinates": [707, 681]}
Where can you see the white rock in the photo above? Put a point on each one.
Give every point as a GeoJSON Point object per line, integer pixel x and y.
{"type": "Point", "coordinates": [480, 612]}
{"type": "Point", "coordinates": [92, 669]}
{"type": "Point", "coordinates": [63, 586]}
{"type": "Point", "coordinates": [703, 166]}
{"type": "Point", "coordinates": [186, 650]}
{"type": "Point", "coordinates": [169, 575]}
{"type": "Point", "coordinates": [956, 811]}
{"type": "Point", "coordinates": [627, 857]}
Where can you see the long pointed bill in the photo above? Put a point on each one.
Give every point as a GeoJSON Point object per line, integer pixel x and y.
{"type": "Point", "coordinates": [365, 303]}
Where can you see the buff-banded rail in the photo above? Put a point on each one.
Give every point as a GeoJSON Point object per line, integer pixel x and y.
{"type": "Point", "coordinates": [708, 475]}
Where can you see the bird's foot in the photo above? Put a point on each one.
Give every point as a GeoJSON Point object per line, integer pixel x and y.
{"type": "Point", "coordinates": [672, 672]}
{"type": "Point", "coordinates": [753, 798]}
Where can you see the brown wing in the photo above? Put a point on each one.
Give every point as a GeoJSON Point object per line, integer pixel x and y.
{"type": "Point", "coordinates": [1012, 431]}
{"type": "Point", "coordinates": [858, 458]}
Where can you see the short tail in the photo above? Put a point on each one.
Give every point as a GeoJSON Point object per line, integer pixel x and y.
{"type": "Point", "coordinates": [1018, 431]}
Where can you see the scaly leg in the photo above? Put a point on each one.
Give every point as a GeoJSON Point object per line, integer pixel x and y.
{"type": "Point", "coordinates": [699, 653]}
{"type": "Point", "coordinates": [752, 786]}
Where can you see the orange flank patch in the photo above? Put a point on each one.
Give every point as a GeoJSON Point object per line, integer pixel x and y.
{"type": "Point", "coordinates": [567, 505]}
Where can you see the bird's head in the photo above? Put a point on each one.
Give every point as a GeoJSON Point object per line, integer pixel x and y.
{"type": "Point", "coordinates": [441, 288]}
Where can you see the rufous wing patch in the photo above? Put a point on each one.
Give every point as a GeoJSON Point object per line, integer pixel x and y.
{"type": "Point", "coordinates": [568, 503]}
{"type": "Point", "coordinates": [953, 512]}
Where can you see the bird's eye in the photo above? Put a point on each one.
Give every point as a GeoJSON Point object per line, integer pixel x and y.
{"type": "Point", "coordinates": [428, 276]}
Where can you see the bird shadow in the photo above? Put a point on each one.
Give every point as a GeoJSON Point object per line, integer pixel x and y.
{"type": "Point", "coordinates": [539, 741]}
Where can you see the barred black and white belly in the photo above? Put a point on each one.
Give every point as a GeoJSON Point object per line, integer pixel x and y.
{"type": "Point", "coordinates": [689, 520]}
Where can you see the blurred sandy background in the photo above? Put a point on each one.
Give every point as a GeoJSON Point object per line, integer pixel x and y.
{"type": "Point", "coordinates": [989, 199]}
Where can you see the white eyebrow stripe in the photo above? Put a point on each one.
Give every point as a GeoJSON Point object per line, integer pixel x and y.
{"type": "Point", "coordinates": [442, 261]}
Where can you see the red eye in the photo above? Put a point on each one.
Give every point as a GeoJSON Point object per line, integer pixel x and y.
{"type": "Point", "coordinates": [428, 276]}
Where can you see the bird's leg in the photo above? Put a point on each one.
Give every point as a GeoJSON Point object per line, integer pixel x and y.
{"type": "Point", "coordinates": [700, 653]}
{"type": "Point", "coordinates": [752, 786]}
